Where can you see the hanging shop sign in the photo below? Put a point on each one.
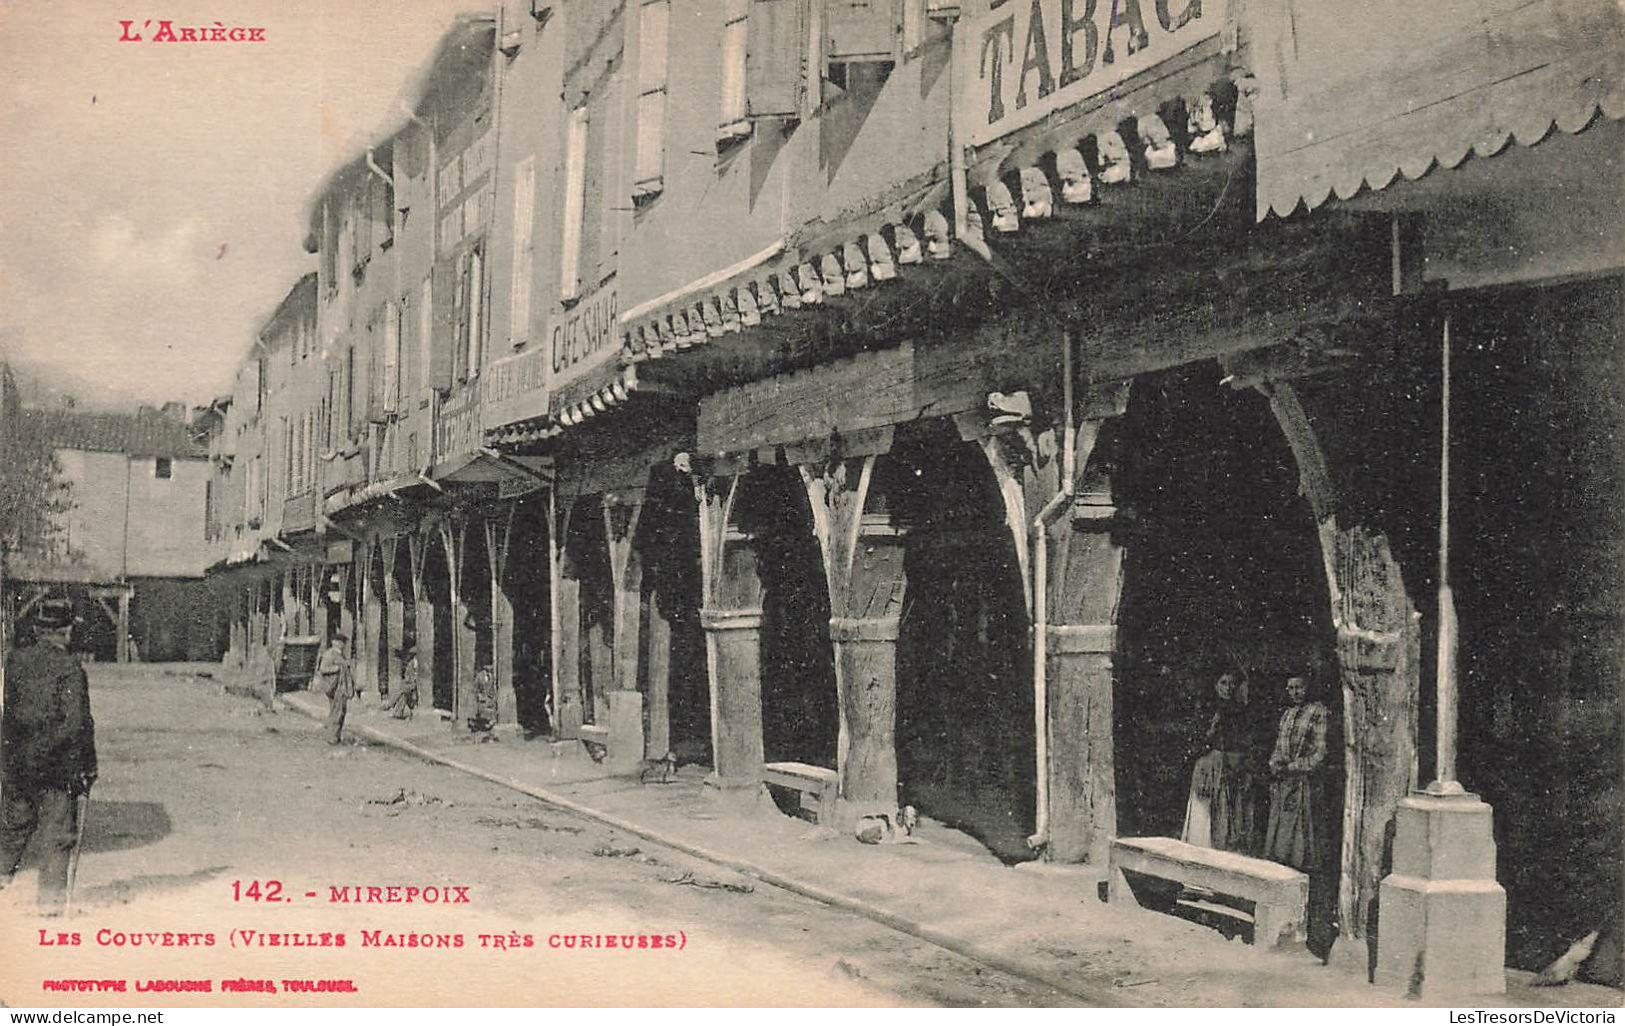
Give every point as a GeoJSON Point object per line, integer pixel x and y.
{"type": "Point", "coordinates": [1026, 58]}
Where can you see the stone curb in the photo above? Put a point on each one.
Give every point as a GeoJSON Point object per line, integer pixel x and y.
{"type": "Point", "coordinates": [942, 939]}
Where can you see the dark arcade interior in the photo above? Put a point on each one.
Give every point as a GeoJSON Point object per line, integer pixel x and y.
{"type": "Point", "coordinates": [800, 716]}
{"type": "Point", "coordinates": [669, 547]}
{"type": "Point", "coordinates": [1539, 557]}
{"type": "Point", "coordinates": [439, 664]}
{"type": "Point", "coordinates": [1223, 573]}
{"type": "Point", "coordinates": [586, 559]}
{"type": "Point", "coordinates": [526, 580]}
{"type": "Point", "coordinates": [965, 739]}
{"type": "Point", "coordinates": [474, 591]}
{"type": "Point", "coordinates": [401, 573]}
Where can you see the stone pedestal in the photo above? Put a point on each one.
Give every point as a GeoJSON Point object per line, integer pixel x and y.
{"type": "Point", "coordinates": [1442, 919]}
{"type": "Point", "coordinates": [625, 731]}
{"type": "Point", "coordinates": [733, 647]}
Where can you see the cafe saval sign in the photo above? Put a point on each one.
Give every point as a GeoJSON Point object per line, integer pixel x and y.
{"type": "Point", "coordinates": [1026, 58]}
{"type": "Point", "coordinates": [584, 336]}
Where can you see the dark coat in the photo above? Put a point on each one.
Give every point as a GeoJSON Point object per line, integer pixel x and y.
{"type": "Point", "coordinates": [48, 737]}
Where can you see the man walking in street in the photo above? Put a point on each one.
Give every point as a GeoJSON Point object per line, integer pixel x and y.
{"type": "Point", "coordinates": [333, 679]}
{"type": "Point", "coordinates": [49, 753]}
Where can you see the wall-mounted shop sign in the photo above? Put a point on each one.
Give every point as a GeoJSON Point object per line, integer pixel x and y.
{"type": "Point", "coordinates": [1026, 58]}
{"type": "Point", "coordinates": [514, 388]}
{"type": "Point", "coordinates": [584, 336]}
{"type": "Point", "coordinates": [457, 427]}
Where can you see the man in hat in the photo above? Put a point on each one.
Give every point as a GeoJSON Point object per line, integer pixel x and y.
{"type": "Point", "coordinates": [49, 752]}
{"type": "Point", "coordinates": [333, 679]}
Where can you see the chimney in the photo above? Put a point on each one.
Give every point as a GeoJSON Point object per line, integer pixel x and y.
{"type": "Point", "coordinates": [175, 411]}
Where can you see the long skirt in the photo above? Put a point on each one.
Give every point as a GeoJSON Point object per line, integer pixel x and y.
{"type": "Point", "coordinates": [1296, 833]}
{"type": "Point", "coordinates": [1234, 826]}
{"type": "Point", "coordinates": [1205, 777]}
{"type": "Point", "coordinates": [1219, 812]}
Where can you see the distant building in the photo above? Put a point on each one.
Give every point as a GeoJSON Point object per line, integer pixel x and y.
{"type": "Point", "coordinates": [129, 550]}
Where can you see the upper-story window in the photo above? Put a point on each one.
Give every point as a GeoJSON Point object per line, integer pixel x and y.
{"type": "Point", "coordinates": [163, 468]}
{"type": "Point", "coordinates": [648, 178]}
{"type": "Point", "coordinates": [575, 202]}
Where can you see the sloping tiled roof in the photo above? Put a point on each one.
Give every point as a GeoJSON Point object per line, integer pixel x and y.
{"type": "Point", "coordinates": [137, 434]}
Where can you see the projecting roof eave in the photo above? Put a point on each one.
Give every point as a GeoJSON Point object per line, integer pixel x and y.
{"type": "Point", "coordinates": [1359, 116]}
{"type": "Point", "coordinates": [621, 385]}
{"type": "Point", "coordinates": [1042, 227]}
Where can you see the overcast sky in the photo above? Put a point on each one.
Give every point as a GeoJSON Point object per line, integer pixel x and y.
{"type": "Point", "coordinates": [152, 195]}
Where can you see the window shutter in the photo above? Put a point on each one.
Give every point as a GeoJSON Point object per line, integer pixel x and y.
{"type": "Point", "coordinates": [524, 214]}
{"type": "Point", "coordinates": [392, 357]}
{"type": "Point", "coordinates": [860, 30]}
{"type": "Point", "coordinates": [476, 312]}
{"type": "Point", "coordinates": [426, 308]}
{"type": "Point", "coordinates": [735, 40]}
{"type": "Point", "coordinates": [606, 152]}
{"type": "Point", "coordinates": [443, 336]}
{"type": "Point", "coordinates": [775, 58]}
{"type": "Point", "coordinates": [459, 338]}
{"type": "Point", "coordinates": [575, 187]}
{"type": "Point", "coordinates": [653, 18]}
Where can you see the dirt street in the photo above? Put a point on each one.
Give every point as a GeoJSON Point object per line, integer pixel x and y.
{"type": "Point", "coordinates": [202, 794]}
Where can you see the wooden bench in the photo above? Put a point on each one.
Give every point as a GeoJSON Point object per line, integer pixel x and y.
{"type": "Point", "coordinates": [816, 785]}
{"type": "Point", "coordinates": [1280, 894]}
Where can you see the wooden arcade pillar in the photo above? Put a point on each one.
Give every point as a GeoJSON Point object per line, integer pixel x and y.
{"type": "Point", "coordinates": [452, 535]}
{"type": "Point", "coordinates": [863, 566]}
{"type": "Point", "coordinates": [423, 616]}
{"type": "Point", "coordinates": [731, 616]}
{"type": "Point", "coordinates": [395, 611]}
{"type": "Point", "coordinates": [1379, 655]}
{"type": "Point", "coordinates": [565, 589]}
{"type": "Point", "coordinates": [124, 625]}
{"type": "Point", "coordinates": [626, 739]}
{"type": "Point", "coordinates": [1078, 565]}
{"type": "Point", "coordinates": [496, 553]}
{"type": "Point", "coordinates": [372, 622]}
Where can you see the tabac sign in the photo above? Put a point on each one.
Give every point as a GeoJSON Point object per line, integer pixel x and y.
{"type": "Point", "coordinates": [1026, 58]}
